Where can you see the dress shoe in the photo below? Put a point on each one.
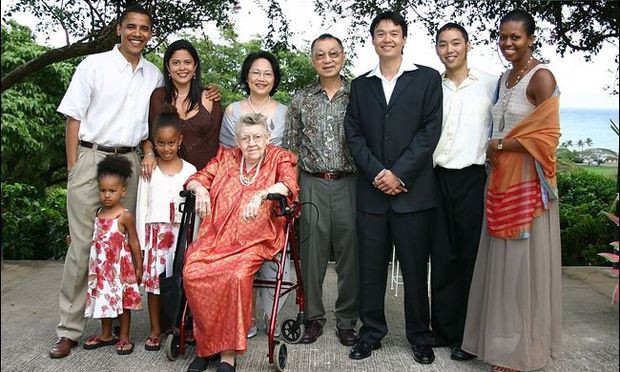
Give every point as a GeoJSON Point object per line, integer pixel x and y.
{"type": "Point", "coordinates": [347, 337]}
{"type": "Point", "coordinates": [199, 364]}
{"type": "Point", "coordinates": [363, 349]}
{"type": "Point", "coordinates": [423, 354]}
{"type": "Point", "coordinates": [62, 347]}
{"type": "Point", "coordinates": [313, 330]}
{"type": "Point", "coordinates": [459, 354]}
{"type": "Point", "coordinates": [226, 367]}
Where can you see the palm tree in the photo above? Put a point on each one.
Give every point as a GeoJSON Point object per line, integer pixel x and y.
{"type": "Point", "coordinates": [588, 142]}
{"type": "Point", "coordinates": [580, 144]}
{"type": "Point", "coordinates": [569, 143]}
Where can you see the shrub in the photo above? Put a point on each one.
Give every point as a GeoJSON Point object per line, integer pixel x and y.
{"type": "Point", "coordinates": [34, 224]}
{"type": "Point", "coordinates": [585, 231]}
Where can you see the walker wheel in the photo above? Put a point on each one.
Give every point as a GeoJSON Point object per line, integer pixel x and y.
{"type": "Point", "coordinates": [292, 330]}
{"type": "Point", "coordinates": [172, 346]}
{"type": "Point", "coordinates": [279, 356]}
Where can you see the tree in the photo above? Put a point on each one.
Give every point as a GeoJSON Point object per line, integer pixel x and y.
{"type": "Point", "coordinates": [33, 149]}
{"type": "Point", "coordinates": [588, 142]}
{"type": "Point", "coordinates": [574, 26]}
{"type": "Point", "coordinates": [90, 26]}
{"type": "Point", "coordinates": [580, 144]}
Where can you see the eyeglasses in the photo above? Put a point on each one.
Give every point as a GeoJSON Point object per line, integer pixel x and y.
{"type": "Point", "coordinates": [333, 54]}
{"type": "Point", "coordinates": [256, 138]}
{"type": "Point", "coordinates": [267, 74]}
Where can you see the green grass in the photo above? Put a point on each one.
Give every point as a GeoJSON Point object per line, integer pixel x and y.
{"type": "Point", "coordinates": [608, 171]}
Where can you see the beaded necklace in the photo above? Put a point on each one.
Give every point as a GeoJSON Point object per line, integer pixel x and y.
{"type": "Point", "coordinates": [508, 91]}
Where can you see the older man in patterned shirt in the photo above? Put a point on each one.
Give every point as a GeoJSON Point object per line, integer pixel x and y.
{"type": "Point", "coordinates": [315, 131]}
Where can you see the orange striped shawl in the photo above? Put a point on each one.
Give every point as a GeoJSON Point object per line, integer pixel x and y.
{"type": "Point", "coordinates": [515, 194]}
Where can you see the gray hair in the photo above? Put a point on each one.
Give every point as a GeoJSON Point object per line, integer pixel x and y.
{"type": "Point", "coordinates": [249, 120]}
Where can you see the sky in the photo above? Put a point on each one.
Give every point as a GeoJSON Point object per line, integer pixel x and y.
{"type": "Point", "coordinates": [581, 83]}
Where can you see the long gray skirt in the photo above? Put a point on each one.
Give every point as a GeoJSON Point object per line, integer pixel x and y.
{"type": "Point", "coordinates": [514, 313]}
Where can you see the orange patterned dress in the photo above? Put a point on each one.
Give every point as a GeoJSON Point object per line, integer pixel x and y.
{"type": "Point", "coordinates": [221, 263]}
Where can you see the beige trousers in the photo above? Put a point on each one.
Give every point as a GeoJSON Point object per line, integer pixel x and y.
{"type": "Point", "coordinates": [82, 204]}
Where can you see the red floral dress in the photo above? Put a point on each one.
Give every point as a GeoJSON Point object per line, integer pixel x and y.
{"type": "Point", "coordinates": [159, 250]}
{"type": "Point", "coordinates": [112, 284]}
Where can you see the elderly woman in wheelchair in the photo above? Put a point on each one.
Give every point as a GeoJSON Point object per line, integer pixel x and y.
{"type": "Point", "coordinates": [239, 230]}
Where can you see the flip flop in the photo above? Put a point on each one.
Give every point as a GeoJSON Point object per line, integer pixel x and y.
{"type": "Point", "coordinates": [94, 342]}
{"type": "Point", "coordinates": [121, 347]}
{"type": "Point", "coordinates": [152, 343]}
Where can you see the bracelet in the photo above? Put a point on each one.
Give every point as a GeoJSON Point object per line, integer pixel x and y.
{"type": "Point", "coordinates": [149, 153]}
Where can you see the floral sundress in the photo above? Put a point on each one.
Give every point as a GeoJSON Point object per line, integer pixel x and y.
{"type": "Point", "coordinates": [160, 245]}
{"type": "Point", "coordinates": [112, 284]}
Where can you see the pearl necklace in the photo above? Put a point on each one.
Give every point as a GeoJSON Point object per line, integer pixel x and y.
{"type": "Point", "coordinates": [261, 110]}
{"type": "Point", "coordinates": [245, 180]}
{"type": "Point", "coordinates": [508, 92]}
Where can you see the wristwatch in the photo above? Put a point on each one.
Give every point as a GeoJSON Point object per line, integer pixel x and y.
{"type": "Point", "coordinates": [499, 144]}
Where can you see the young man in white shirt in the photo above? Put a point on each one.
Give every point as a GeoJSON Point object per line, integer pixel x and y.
{"type": "Point", "coordinates": [106, 106]}
{"type": "Point", "coordinates": [458, 160]}
{"type": "Point", "coordinates": [392, 125]}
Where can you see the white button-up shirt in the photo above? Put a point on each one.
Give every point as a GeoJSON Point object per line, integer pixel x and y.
{"type": "Point", "coordinates": [466, 120]}
{"type": "Point", "coordinates": [388, 85]}
{"type": "Point", "coordinates": [111, 99]}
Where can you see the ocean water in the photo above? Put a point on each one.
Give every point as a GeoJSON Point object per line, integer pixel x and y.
{"type": "Point", "coordinates": [579, 124]}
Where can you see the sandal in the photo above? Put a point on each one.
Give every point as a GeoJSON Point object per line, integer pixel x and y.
{"type": "Point", "coordinates": [124, 347]}
{"type": "Point", "coordinates": [94, 342]}
{"type": "Point", "coordinates": [152, 343]}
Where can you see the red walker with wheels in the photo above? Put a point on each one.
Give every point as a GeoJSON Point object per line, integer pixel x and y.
{"type": "Point", "coordinates": [174, 303]}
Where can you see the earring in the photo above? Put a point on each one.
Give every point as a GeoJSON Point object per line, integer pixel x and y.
{"type": "Point", "coordinates": [194, 77]}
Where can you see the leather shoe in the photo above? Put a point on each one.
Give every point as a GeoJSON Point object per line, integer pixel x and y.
{"type": "Point", "coordinates": [347, 337]}
{"type": "Point", "coordinates": [313, 330]}
{"type": "Point", "coordinates": [62, 347]}
{"type": "Point", "coordinates": [460, 354]}
{"type": "Point", "coordinates": [423, 354]}
{"type": "Point", "coordinates": [363, 349]}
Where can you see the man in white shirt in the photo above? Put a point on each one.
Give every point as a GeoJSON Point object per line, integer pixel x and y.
{"type": "Point", "coordinates": [458, 160]}
{"type": "Point", "coordinates": [392, 126]}
{"type": "Point", "coordinates": [106, 106]}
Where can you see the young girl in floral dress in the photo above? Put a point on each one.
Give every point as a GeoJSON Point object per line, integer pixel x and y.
{"type": "Point", "coordinates": [157, 212]}
{"type": "Point", "coordinates": [115, 267]}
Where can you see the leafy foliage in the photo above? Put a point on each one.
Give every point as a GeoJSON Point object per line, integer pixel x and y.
{"type": "Point", "coordinates": [584, 229]}
{"type": "Point", "coordinates": [32, 131]}
{"type": "Point", "coordinates": [34, 224]}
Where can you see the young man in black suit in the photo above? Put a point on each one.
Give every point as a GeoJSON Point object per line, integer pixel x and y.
{"type": "Point", "coordinates": [392, 126]}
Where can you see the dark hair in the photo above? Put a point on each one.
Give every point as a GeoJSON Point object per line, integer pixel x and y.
{"type": "Point", "coordinates": [519, 15]}
{"type": "Point", "coordinates": [391, 16]}
{"type": "Point", "coordinates": [325, 37]}
{"type": "Point", "coordinates": [452, 26]}
{"type": "Point", "coordinates": [135, 9]}
{"type": "Point", "coordinates": [113, 165]}
{"type": "Point", "coordinates": [168, 118]}
{"type": "Point", "coordinates": [247, 63]}
{"type": "Point", "coordinates": [195, 86]}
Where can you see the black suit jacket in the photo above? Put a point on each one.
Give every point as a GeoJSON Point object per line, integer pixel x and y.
{"type": "Point", "coordinates": [400, 136]}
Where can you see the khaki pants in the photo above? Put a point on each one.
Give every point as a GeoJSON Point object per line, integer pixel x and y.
{"type": "Point", "coordinates": [82, 205]}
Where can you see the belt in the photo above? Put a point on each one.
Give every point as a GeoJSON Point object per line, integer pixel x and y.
{"type": "Point", "coordinates": [111, 150]}
{"type": "Point", "coordinates": [330, 176]}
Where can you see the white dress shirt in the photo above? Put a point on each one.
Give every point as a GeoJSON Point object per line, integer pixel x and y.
{"type": "Point", "coordinates": [466, 120]}
{"type": "Point", "coordinates": [388, 85]}
{"type": "Point", "coordinates": [111, 99]}
{"type": "Point", "coordinates": [155, 196]}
